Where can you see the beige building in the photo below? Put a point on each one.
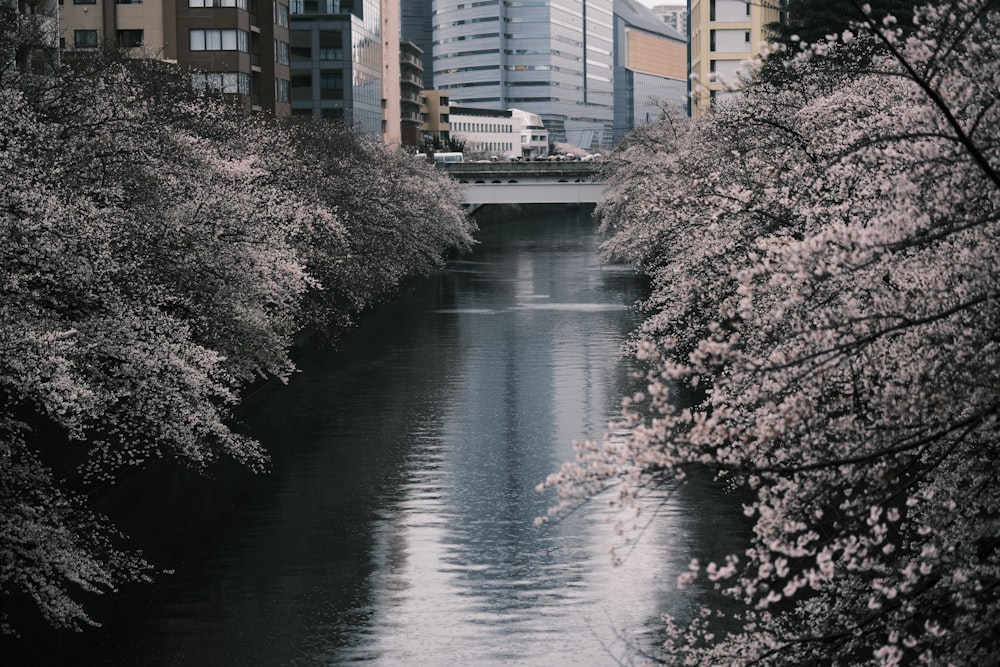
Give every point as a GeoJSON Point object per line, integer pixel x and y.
{"type": "Point", "coordinates": [435, 112]}
{"type": "Point", "coordinates": [391, 94]}
{"type": "Point", "coordinates": [724, 33]}
{"type": "Point", "coordinates": [238, 47]}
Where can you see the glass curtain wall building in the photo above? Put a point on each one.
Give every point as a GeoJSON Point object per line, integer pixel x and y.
{"type": "Point", "coordinates": [336, 62]}
{"type": "Point", "coordinates": [550, 57]}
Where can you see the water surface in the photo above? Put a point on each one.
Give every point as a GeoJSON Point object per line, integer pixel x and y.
{"type": "Point", "coordinates": [396, 526]}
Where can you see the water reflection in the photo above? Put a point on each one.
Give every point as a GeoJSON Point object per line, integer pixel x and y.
{"type": "Point", "coordinates": [397, 524]}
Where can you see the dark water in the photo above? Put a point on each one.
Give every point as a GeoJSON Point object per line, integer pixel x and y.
{"type": "Point", "coordinates": [396, 526]}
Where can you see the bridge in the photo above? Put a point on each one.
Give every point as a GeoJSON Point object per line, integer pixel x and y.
{"type": "Point", "coordinates": [527, 182]}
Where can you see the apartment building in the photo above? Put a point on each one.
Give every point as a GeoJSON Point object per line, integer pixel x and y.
{"type": "Point", "coordinates": [237, 47]}
{"type": "Point", "coordinates": [410, 85]}
{"type": "Point", "coordinates": [724, 33]}
{"type": "Point", "coordinates": [650, 66]}
{"type": "Point", "coordinates": [415, 27]}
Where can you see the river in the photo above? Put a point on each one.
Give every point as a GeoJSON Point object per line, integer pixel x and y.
{"type": "Point", "coordinates": [396, 524]}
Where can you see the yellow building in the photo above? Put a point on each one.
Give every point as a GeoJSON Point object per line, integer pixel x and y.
{"type": "Point", "coordinates": [724, 33]}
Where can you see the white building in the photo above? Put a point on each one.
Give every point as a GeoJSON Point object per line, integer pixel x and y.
{"type": "Point", "coordinates": [486, 132]}
{"type": "Point", "coordinates": [534, 136]}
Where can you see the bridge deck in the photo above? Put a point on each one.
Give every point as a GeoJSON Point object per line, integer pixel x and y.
{"type": "Point", "coordinates": [522, 172]}
{"type": "Point", "coordinates": [528, 182]}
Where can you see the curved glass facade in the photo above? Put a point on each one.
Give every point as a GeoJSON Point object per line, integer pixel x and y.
{"type": "Point", "coordinates": [549, 57]}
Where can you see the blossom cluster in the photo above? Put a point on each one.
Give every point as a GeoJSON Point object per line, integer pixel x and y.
{"type": "Point", "coordinates": [822, 332]}
{"type": "Point", "coordinates": [159, 249]}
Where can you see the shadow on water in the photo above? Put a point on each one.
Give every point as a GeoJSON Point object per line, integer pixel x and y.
{"type": "Point", "coordinates": [396, 524]}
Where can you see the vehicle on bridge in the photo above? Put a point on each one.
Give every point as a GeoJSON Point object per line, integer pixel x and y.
{"type": "Point", "coordinates": [445, 156]}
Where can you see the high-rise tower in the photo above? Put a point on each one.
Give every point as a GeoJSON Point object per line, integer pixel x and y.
{"type": "Point", "coordinates": [549, 57]}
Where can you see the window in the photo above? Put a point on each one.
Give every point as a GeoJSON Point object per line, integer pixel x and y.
{"type": "Point", "coordinates": [331, 45]}
{"type": "Point", "coordinates": [85, 39]}
{"type": "Point", "coordinates": [726, 71]}
{"type": "Point", "coordinates": [281, 93]}
{"type": "Point", "coordinates": [129, 39]}
{"type": "Point", "coordinates": [730, 41]}
{"type": "Point", "coordinates": [281, 52]}
{"type": "Point", "coordinates": [282, 15]}
{"type": "Point", "coordinates": [301, 45]}
{"type": "Point", "coordinates": [219, 40]}
{"type": "Point", "coordinates": [331, 85]}
{"type": "Point", "coordinates": [128, 2]}
{"type": "Point", "coordinates": [301, 87]}
{"type": "Point", "coordinates": [729, 10]}
{"type": "Point", "coordinates": [240, 4]}
{"type": "Point", "coordinates": [222, 82]}
{"type": "Point", "coordinates": [84, 2]}
{"type": "Point", "coordinates": [443, 118]}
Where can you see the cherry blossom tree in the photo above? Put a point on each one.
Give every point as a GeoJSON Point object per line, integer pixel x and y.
{"type": "Point", "coordinates": [823, 334]}
{"type": "Point", "coordinates": [398, 218]}
{"type": "Point", "coordinates": [157, 252]}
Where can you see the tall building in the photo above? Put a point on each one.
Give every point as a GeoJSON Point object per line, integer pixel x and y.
{"type": "Point", "coordinates": [415, 26]}
{"type": "Point", "coordinates": [336, 62]}
{"type": "Point", "coordinates": [410, 85]}
{"type": "Point", "coordinates": [391, 64]}
{"type": "Point", "coordinates": [238, 47]}
{"type": "Point", "coordinates": [551, 57]}
{"type": "Point", "coordinates": [675, 16]}
{"type": "Point", "coordinates": [723, 34]}
{"type": "Point", "coordinates": [650, 66]}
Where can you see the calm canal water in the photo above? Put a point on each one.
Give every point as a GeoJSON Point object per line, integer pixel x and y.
{"type": "Point", "coordinates": [396, 526]}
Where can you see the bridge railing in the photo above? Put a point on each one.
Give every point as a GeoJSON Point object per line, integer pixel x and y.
{"type": "Point", "coordinates": [524, 172]}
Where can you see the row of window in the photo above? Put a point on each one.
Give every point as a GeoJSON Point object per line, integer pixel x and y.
{"type": "Point", "coordinates": [235, 83]}
{"type": "Point", "coordinates": [280, 11]}
{"type": "Point", "coordinates": [222, 82]}
{"type": "Point", "coordinates": [87, 39]}
{"type": "Point", "coordinates": [492, 146]}
{"type": "Point", "coordinates": [215, 39]}
{"type": "Point", "coordinates": [239, 4]}
{"type": "Point", "coordinates": [201, 40]}
{"type": "Point", "coordinates": [480, 127]}
{"type": "Point", "coordinates": [321, 6]}
{"type": "Point", "coordinates": [331, 86]}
